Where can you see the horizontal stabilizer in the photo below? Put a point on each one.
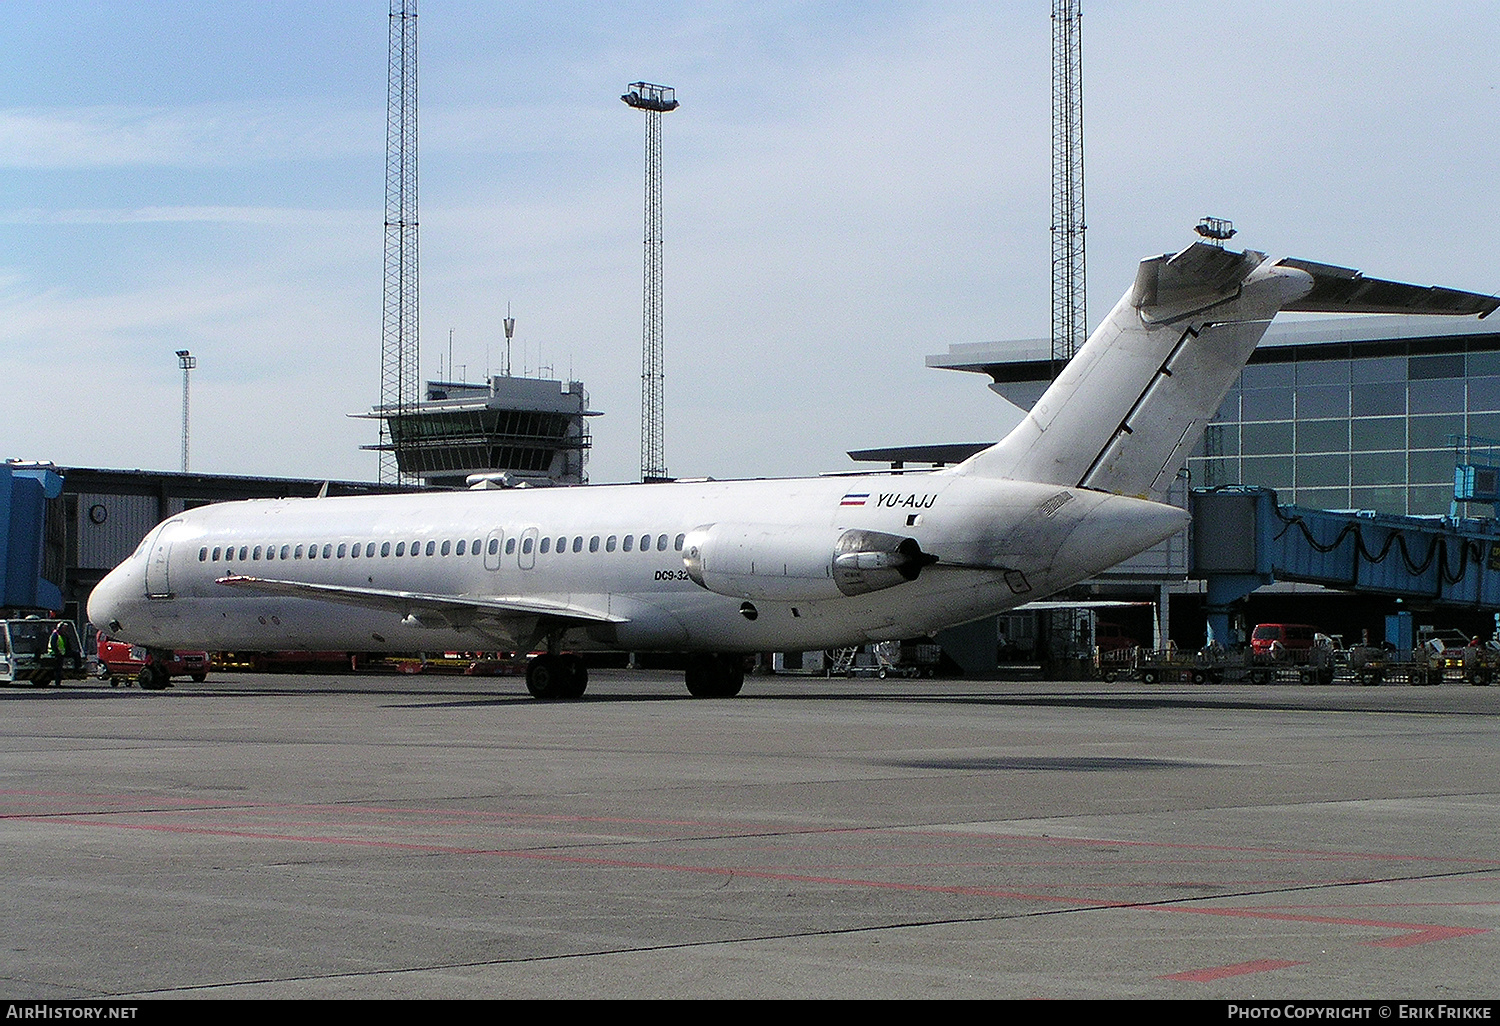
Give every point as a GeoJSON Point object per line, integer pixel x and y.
{"type": "Point", "coordinates": [1123, 415]}
{"type": "Point", "coordinates": [457, 609]}
{"type": "Point", "coordinates": [1345, 290]}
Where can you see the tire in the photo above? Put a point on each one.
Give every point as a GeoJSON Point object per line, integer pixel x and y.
{"type": "Point", "coordinates": [576, 677]}
{"type": "Point", "coordinates": [714, 675]}
{"type": "Point", "coordinates": [1199, 677]}
{"type": "Point", "coordinates": [152, 678]}
{"type": "Point", "coordinates": [545, 678]}
{"type": "Point", "coordinates": [1149, 677]}
{"type": "Point", "coordinates": [1260, 677]}
{"type": "Point", "coordinates": [883, 674]}
{"type": "Point", "coordinates": [199, 678]}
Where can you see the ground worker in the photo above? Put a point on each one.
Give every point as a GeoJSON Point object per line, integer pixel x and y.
{"type": "Point", "coordinates": [57, 649]}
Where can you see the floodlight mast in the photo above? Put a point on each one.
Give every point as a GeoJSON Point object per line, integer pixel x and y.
{"type": "Point", "coordinates": [655, 100]}
{"type": "Point", "coordinates": [187, 361]}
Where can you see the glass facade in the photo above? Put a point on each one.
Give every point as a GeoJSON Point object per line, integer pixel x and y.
{"type": "Point", "coordinates": [1355, 426]}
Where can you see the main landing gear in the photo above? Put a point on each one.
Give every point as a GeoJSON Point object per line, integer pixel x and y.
{"type": "Point", "coordinates": [709, 675]}
{"type": "Point", "coordinates": [715, 675]}
{"type": "Point", "coordinates": [556, 676]}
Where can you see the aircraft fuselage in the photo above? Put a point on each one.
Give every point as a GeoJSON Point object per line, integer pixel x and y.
{"type": "Point", "coordinates": [611, 561]}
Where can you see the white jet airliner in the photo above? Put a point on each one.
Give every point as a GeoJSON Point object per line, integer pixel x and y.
{"type": "Point", "coordinates": [718, 569]}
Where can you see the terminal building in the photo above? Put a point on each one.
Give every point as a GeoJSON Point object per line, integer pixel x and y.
{"type": "Point", "coordinates": [93, 519]}
{"type": "Point", "coordinates": [1334, 413]}
{"type": "Point", "coordinates": [1369, 413]}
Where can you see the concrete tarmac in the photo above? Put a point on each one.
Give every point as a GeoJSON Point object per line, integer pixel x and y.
{"type": "Point", "coordinates": [359, 836]}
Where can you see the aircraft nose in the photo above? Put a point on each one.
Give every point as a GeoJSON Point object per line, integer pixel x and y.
{"type": "Point", "coordinates": [108, 602]}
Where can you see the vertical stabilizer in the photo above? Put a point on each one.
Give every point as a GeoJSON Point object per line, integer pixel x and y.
{"type": "Point", "coordinates": [1127, 410]}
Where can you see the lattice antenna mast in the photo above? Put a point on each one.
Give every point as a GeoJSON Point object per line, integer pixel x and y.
{"type": "Point", "coordinates": [655, 100]}
{"type": "Point", "coordinates": [1069, 281]}
{"type": "Point", "coordinates": [401, 347]}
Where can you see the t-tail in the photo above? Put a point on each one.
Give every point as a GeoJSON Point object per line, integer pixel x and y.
{"type": "Point", "coordinates": [1129, 408]}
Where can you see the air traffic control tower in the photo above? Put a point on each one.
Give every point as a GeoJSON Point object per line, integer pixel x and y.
{"type": "Point", "coordinates": [511, 430]}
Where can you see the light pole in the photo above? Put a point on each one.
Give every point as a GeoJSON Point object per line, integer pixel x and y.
{"type": "Point", "coordinates": [655, 100]}
{"type": "Point", "coordinates": [187, 362]}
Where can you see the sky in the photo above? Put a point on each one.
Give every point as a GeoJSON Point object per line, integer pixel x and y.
{"type": "Point", "coordinates": [848, 188]}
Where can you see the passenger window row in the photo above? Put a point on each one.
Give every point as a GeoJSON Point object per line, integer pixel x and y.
{"type": "Point", "coordinates": [247, 553]}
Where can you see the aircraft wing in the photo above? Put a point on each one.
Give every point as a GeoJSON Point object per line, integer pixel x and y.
{"type": "Point", "coordinates": [1345, 290]}
{"type": "Point", "coordinates": [1032, 607]}
{"type": "Point", "coordinates": [456, 609]}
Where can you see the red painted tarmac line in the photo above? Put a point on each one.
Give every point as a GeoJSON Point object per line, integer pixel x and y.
{"type": "Point", "coordinates": [1264, 965]}
{"type": "Point", "coordinates": [1414, 933]}
{"type": "Point", "coordinates": [1410, 933]}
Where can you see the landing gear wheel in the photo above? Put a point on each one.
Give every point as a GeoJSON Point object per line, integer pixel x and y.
{"type": "Point", "coordinates": [714, 675]}
{"type": "Point", "coordinates": [575, 676]}
{"type": "Point", "coordinates": [152, 678]}
{"type": "Point", "coordinates": [199, 678]}
{"type": "Point", "coordinates": [548, 677]}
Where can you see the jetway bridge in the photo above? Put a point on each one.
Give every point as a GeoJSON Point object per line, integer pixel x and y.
{"type": "Point", "coordinates": [1243, 539]}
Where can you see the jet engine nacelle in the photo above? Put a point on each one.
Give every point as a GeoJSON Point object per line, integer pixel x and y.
{"type": "Point", "coordinates": [777, 562]}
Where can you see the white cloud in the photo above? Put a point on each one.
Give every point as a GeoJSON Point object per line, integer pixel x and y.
{"type": "Point", "coordinates": [193, 136]}
{"type": "Point", "coordinates": [273, 217]}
